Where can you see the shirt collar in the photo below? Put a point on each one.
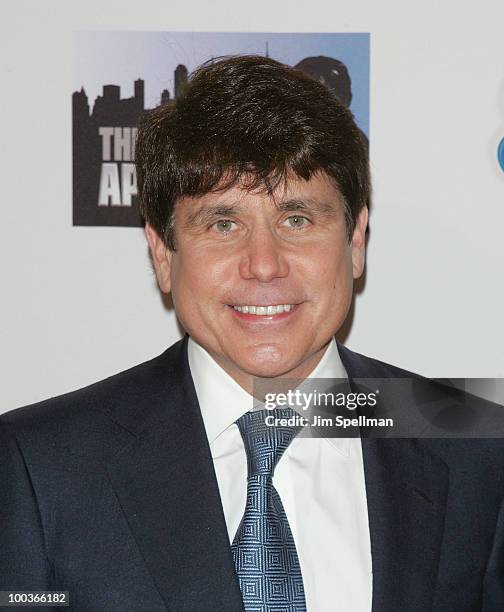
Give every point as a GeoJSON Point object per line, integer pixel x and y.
{"type": "Point", "coordinates": [222, 401]}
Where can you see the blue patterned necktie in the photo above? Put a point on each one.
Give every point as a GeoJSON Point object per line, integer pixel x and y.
{"type": "Point", "coordinates": [264, 552]}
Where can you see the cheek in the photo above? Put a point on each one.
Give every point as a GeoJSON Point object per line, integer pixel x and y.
{"type": "Point", "coordinates": [196, 274]}
{"type": "Point", "coordinates": [331, 269]}
{"type": "Point", "coordinates": [190, 297]}
{"type": "Point", "coordinates": [342, 273]}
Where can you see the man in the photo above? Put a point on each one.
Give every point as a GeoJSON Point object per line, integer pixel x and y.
{"type": "Point", "coordinates": [158, 488]}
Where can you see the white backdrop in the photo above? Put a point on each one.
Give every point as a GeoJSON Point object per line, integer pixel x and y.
{"type": "Point", "coordinates": [80, 303]}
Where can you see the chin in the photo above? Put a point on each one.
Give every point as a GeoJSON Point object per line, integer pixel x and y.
{"type": "Point", "coordinates": [267, 363]}
{"type": "Point", "coordinates": [268, 372]}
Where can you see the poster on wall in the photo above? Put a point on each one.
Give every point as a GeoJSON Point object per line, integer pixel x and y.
{"type": "Point", "coordinates": [117, 76]}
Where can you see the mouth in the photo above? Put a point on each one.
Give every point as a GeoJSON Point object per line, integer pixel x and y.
{"type": "Point", "coordinates": [260, 311]}
{"type": "Point", "coordinates": [266, 312]}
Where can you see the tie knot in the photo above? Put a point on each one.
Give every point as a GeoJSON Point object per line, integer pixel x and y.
{"type": "Point", "coordinates": [265, 441]}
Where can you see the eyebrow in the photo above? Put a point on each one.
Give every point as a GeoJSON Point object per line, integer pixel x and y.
{"type": "Point", "coordinates": [207, 214]}
{"type": "Point", "coordinates": [309, 204]}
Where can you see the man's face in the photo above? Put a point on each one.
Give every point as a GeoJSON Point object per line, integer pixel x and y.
{"type": "Point", "coordinates": [240, 251]}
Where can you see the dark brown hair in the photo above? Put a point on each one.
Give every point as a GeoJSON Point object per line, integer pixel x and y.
{"type": "Point", "coordinates": [249, 119]}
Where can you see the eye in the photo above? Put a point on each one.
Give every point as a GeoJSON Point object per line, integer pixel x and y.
{"type": "Point", "coordinates": [297, 221]}
{"type": "Point", "coordinates": [223, 226]}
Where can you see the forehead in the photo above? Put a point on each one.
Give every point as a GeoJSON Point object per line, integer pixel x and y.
{"type": "Point", "coordinates": [319, 192]}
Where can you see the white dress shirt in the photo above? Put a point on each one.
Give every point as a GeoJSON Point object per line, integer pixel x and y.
{"type": "Point", "coordinates": [320, 482]}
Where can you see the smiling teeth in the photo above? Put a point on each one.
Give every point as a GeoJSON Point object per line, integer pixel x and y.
{"type": "Point", "coordinates": [264, 310]}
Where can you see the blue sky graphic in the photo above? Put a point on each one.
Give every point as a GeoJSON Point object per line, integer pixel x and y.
{"type": "Point", "coordinates": [118, 58]}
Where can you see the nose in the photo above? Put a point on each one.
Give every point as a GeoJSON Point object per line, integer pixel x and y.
{"type": "Point", "coordinates": [264, 258]}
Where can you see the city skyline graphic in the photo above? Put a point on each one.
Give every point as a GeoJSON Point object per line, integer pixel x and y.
{"type": "Point", "coordinates": [104, 129]}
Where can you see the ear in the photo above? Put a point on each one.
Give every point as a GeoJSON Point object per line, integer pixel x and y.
{"type": "Point", "coordinates": [359, 242]}
{"type": "Point", "coordinates": [161, 258]}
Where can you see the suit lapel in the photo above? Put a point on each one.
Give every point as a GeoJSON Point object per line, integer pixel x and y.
{"type": "Point", "coordinates": [406, 497]}
{"type": "Point", "coordinates": [406, 490]}
{"type": "Point", "coordinates": [167, 488]}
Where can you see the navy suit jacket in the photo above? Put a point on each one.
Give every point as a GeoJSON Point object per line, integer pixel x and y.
{"type": "Point", "coordinates": [110, 493]}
